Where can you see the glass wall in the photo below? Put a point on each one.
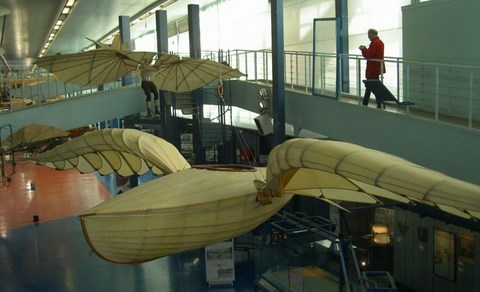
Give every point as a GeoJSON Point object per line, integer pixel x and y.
{"type": "Point", "coordinates": [246, 24]}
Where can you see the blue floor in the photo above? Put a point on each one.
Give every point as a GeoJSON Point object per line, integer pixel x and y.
{"type": "Point", "coordinates": [54, 256]}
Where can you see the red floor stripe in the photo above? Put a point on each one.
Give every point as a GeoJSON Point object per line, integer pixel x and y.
{"type": "Point", "coordinates": [58, 194]}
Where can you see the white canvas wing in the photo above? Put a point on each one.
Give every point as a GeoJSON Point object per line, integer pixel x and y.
{"type": "Point", "coordinates": [342, 171]}
{"type": "Point", "coordinates": [125, 151]}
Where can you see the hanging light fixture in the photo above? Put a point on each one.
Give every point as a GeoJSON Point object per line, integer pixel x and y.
{"type": "Point", "coordinates": [381, 235]}
{"type": "Point", "coordinates": [62, 17]}
{"type": "Point", "coordinates": [264, 121]}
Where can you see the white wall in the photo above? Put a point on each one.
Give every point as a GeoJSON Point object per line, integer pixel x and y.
{"type": "Point", "coordinates": [442, 31]}
{"type": "Point", "coordinates": [438, 31]}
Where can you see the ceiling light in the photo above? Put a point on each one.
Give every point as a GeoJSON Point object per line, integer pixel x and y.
{"type": "Point", "coordinates": [167, 3]}
{"type": "Point", "coordinates": [61, 18]}
{"type": "Point", "coordinates": [263, 92]}
{"type": "Point", "coordinates": [381, 234]}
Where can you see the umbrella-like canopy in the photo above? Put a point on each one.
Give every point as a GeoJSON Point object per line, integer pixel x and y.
{"type": "Point", "coordinates": [35, 137]}
{"type": "Point", "coordinates": [34, 133]}
{"type": "Point", "coordinates": [94, 67]}
{"type": "Point", "coordinates": [188, 74]}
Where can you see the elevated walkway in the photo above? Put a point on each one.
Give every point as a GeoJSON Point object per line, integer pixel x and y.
{"type": "Point", "coordinates": [80, 111]}
{"type": "Point", "coordinates": [444, 147]}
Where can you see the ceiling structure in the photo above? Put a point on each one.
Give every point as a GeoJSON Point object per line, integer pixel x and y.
{"type": "Point", "coordinates": [28, 24]}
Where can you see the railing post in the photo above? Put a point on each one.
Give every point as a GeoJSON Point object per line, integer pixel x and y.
{"type": "Point", "coordinates": [437, 97]}
{"type": "Point", "coordinates": [339, 80]}
{"type": "Point", "coordinates": [255, 65]}
{"type": "Point", "coordinates": [22, 91]}
{"type": "Point", "coordinates": [266, 67]}
{"type": "Point", "coordinates": [296, 68]}
{"type": "Point", "coordinates": [229, 59]}
{"type": "Point", "coordinates": [291, 70]}
{"type": "Point", "coordinates": [406, 86]}
{"type": "Point", "coordinates": [382, 69]}
{"type": "Point", "coordinates": [307, 77]}
{"type": "Point", "coordinates": [237, 58]}
{"type": "Point", "coordinates": [470, 108]}
{"type": "Point", "coordinates": [31, 95]}
{"type": "Point", "coordinates": [322, 73]}
{"type": "Point", "coordinates": [359, 82]}
{"type": "Point", "coordinates": [39, 90]}
{"type": "Point", "coordinates": [56, 85]}
{"type": "Point", "coordinates": [246, 61]}
{"type": "Point", "coordinates": [398, 80]}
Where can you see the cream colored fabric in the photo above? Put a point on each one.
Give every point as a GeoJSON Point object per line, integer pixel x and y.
{"type": "Point", "coordinates": [194, 207]}
{"type": "Point", "coordinates": [178, 212]}
{"type": "Point", "coordinates": [125, 151]}
{"type": "Point", "coordinates": [94, 67]}
{"type": "Point", "coordinates": [188, 74]}
{"type": "Point", "coordinates": [33, 133]}
{"type": "Point", "coordinates": [346, 166]}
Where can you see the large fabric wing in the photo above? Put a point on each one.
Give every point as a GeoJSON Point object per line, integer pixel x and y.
{"type": "Point", "coordinates": [178, 212]}
{"type": "Point", "coordinates": [164, 59]}
{"type": "Point", "coordinates": [341, 171]}
{"type": "Point", "coordinates": [94, 67]}
{"type": "Point", "coordinates": [125, 151]}
{"type": "Point", "coordinates": [33, 133]}
{"type": "Point", "coordinates": [188, 74]}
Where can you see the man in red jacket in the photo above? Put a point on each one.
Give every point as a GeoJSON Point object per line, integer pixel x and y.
{"type": "Point", "coordinates": [375, 67]}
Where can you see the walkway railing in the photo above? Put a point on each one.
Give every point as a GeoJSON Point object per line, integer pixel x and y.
{"type": "Point", "coordinates": [443, 92]}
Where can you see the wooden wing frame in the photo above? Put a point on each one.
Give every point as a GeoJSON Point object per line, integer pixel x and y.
{"type": "Point", "coordinates": [125, 151]}
{"type": "Point", "coordinates": [339, 171]}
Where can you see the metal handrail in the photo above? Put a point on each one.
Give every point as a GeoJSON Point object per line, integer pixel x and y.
{"type": "Point", "coordinates": [439, 90]}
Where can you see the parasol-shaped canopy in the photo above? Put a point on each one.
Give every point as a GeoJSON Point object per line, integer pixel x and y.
{"type": "Point", "coordinates": [35, 137]}
{"type": "Point", "coordinates": [94, 67]}
{"type": "Point", "coordinates": [188, 74]}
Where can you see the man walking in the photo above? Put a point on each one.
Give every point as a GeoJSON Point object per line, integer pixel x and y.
{"type": "Point", "coordinates": [375, 67]}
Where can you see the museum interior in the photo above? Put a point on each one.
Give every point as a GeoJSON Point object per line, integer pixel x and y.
{"type": "Point", "coordinates": [225, 145]}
